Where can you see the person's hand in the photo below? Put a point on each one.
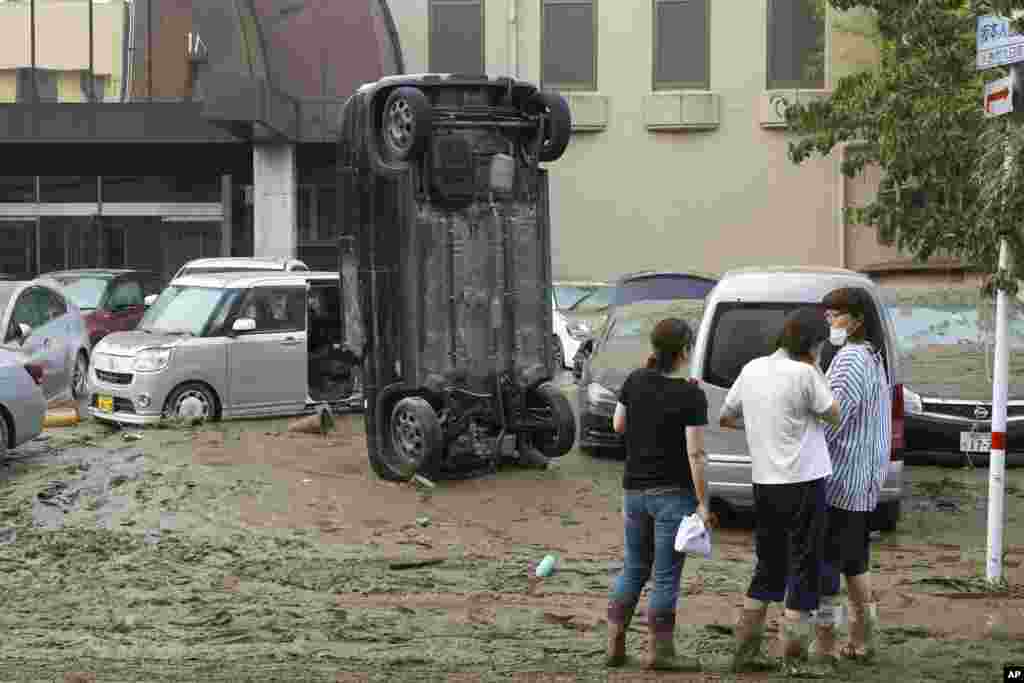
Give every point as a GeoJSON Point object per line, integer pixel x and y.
{"type": "Point", "coordinates": [705, 516]}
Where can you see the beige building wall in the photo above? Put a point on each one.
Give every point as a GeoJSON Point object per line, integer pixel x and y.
{"type": "Point", "coordinates": [62, 43]}
{"type": "Point", "coordinates": [683, 180]}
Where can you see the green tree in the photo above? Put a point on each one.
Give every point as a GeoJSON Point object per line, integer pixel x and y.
{"type": "Point", "coordinates": [917, 114]}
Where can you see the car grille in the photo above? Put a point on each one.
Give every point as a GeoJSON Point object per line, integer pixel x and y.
{"type": "Point", "coordinates": [114, 377]}
{"type": "Point", "coordinates": [121, 405]}
{"type": "Point", "coordinates": [966, 410]}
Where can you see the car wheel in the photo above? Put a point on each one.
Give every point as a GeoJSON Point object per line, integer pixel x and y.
{"type": "Point", "coordinates": [80, 376]}
{"type": "Point", "coordinates": [5, 436]}
{"type": "Point", "coordinates": [416, 441]}
{"type": "Point", "coordinates": [405, 123]}
{"type": "Point", "coordinates": [885, 516]}
{"type": "Point", "coordinates": [547, 404]}
{"type": "Point", "coordinates": [191, 401]}
{"type": "Point", "coordinates": [558, 353]}
{"type": "Point", "coordinates": [558, 131]}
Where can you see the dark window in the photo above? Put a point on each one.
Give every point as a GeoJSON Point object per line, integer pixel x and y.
{"type": "Point", "coordinates": [55, 305]}
{"type": "Point", "coordinates": [68, 188]}
{"type": "Point", "coordinates": [661, 288]}
{"type": "Point", "coordinates": [739, 334]}
{"type": "Point", "coordinates": [569, 45]}
{"type": "Point", "coordinates": [796, 44]}
{"type": "Point", "coordinates": [681, 33]}
{"type": "Point", "coordinates": [17, 188]}
{"type": "Point", "coordinates": [128, 293]}
{"type": "Point", "coordinates": [99, 87]}
{"type": "Point", "coordinates": [188, 187]}
{"type": "Point", "coordinates": [456, 36]}
{"type": "Point", "coordinates": [276, 309]}
{"type": "Point", "coordinates": [46, 82]}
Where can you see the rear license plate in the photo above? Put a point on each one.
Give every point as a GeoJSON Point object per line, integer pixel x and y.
{"type": "Point", "coordinates": [975, 442]}
{"type": "Point", "coordinates": [105, 403]}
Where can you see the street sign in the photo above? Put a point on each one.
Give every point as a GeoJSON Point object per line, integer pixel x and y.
{"type": "Point", "coordinates": [998, 44]}
{"type": "Point", "coordinates": [999, 97]}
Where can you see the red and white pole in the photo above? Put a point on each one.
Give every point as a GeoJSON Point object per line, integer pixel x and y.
{"type": "Point", "coordinates": [997, 457]}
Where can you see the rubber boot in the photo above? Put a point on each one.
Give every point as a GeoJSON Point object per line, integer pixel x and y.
{"type": "Point", "coordinates": [863, 619]}
{"type": "Point", "coordinates": [796, 636]}
{"type": "Point", "coordinates": [620, 614]}
{"type": "Point", "coordinates": [749, 636]}
{"type": "Point", "coordinates": [823, 649]}
{"type": "Point", "coordinates": [661, 644]}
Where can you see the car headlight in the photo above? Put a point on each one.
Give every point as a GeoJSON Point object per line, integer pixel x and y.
{"type": "Point", "coordinates": [598, 394]}
{"type": "Point", "coordinates": [912, 404]}
{"type": "Point", "coordinates": [578, 330]}
{"type": "Point", "coordinates": [151, 360]}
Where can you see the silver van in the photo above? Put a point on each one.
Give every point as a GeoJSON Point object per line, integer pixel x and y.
{"type": "Point", "coordinates": [742, 318]}
{"type": "Point", "coordinates": [231, 345]}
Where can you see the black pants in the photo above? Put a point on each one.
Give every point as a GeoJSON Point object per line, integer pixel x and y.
{"type": "Point", "coordinates": [789, 540]}
{"type": "Point", "coordinates": [847, 547]}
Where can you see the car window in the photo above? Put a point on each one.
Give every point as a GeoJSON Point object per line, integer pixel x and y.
{"type": "Point", "coordinates": [32, 308]}
{"type": "Point", "coordinates": [598, 299]}
{"type": "Point", "coordinates": [55, 305]}
{"type": "Point", "coordinates": [86, 292]}
{"type": "Point", "coordinates": [127, 293]}
{"type": "Point", "coordinates": [567, 295]}
{"type": "Point", "coordinates": [661, 287]}
{"type": "Point", "coordinates": [276, 309]}
{"type": "Point", "coordinates": [184, 310]}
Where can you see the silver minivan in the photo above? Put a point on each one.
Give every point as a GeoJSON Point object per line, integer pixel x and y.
{"type": "Point", "coordinates": [230, 345]}
{"type": "Point", "coordinates": [742, 318]}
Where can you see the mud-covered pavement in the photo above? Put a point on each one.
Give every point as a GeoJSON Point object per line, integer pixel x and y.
{"type": "Point", "coordinates": [242, 552]}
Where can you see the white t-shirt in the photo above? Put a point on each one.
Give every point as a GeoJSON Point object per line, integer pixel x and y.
{"type": "Point", "coordinates": [779, 400]}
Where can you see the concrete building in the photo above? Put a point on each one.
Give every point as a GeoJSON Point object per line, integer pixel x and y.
{"type": "Point", "coordinates": [194, 128]}
{"type": "Point", "coordinates": [678, 159]}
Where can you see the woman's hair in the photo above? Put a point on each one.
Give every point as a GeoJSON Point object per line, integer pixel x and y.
{"type": "Point", "coordinates": [670, 337]}
{"type": "Point", "coordinates": [856, 302]}
{"type": "Point", "coordinates": [802, 331]}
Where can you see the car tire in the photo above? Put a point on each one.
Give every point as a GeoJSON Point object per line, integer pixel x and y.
{"type": "Point", "coordinates": [885, 517]}
{"type": "Point", "coordinates": [414, 442]}
{"type": "Point", "coordinates": [557, 353]}
{"type": "Point", "coordinates": [80, 376]}
{"type": "Point", "coordinates": [405, 123]}
{"type": "Point", "coordinates": [183, 401]}
{"type": "Point", "coordinates": [547, 402]}
{"type": "Point", "coordinates": [5, 434]}
{"type": "Point", "coordinates": [559, 125]}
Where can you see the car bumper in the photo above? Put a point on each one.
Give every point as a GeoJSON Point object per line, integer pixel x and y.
{"type": "Point", "coordinates": [596, 426]}
{"type": "Point", "coordinates": [138, 401]}
{"type": "Point", "coordinates": [942, 435]}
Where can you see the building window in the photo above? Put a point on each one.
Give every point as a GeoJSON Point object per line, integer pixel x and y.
{"type": "Point", "coordinates": [318, 213]}
{"type": "Point", "coordinates": [681, 38]}
{"type": "Point", "coordinates": [796, 44]}
{"type": "Point", "coordinates": [99, 87]}
{"type": "Point", "coordinates": [569, 45]}
{"type": "Point", "coordinates": [457, 36]}
{"type": "Point", "coordinates": [46, 82]}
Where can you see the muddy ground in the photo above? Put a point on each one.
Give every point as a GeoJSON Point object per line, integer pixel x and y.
{"type": "Point", "coordinates": [240, 552]}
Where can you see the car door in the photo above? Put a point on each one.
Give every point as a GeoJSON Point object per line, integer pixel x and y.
{"type": "Point", "coordinates": [267, 366]}
{"type": "Point", "coordinates": [126, 304]}
{"type": "Point", "coordinates": [45, 345]}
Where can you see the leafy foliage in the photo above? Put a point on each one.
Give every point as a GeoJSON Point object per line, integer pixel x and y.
{"type": "Point", "coordinates": [945, 189]}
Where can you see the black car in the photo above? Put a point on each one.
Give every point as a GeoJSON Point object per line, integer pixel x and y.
{"type": "Point", "coordinates": [947, 395]}
{"type": "Point", "coordinates": [624, 345]}
{"type": "Point", "coordinates": [649, 285]}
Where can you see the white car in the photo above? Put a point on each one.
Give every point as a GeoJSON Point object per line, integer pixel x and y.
{"type": "Point", "coordinates": [569, 334]}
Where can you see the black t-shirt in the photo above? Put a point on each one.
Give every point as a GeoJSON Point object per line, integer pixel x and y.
{"type": "Point", "coordinates": [658, 411]}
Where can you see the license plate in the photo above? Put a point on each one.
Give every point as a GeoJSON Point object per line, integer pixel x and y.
{"type": "Point", "coordinates": [105, 403]}
{"type": "Point", "coordinates": [975, 442]}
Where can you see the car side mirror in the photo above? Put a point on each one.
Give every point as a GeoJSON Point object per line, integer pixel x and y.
{"type": "Point", "coordinates": [150, 300]}
{"type": "Point", "coordinates": [24, 331]}
{"type": "Point", "coordinates": [243, 325]}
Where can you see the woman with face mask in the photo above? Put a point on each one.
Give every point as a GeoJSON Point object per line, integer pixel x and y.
{"type": "Point", "coordinates": [859, 447]}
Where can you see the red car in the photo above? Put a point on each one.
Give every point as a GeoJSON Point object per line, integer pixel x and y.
{"type": "Point", "coordinates": [111, 300]}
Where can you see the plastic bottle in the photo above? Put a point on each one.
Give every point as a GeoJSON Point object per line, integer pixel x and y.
{"type": "Point", "coordinates": [546, 567]}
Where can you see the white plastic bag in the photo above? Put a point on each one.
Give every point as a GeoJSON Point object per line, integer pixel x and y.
{"type": "Point", "coordinates": [693, 537]}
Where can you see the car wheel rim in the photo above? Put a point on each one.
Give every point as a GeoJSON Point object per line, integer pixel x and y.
{"type": "Point", "coordinates": [407, 433]}
{"type": "Point", "coordinates": [78, 380]}
{"type": "Point", "coordinates": [182, 407]}
{"type": "Point", "coordinates": [400, 124]}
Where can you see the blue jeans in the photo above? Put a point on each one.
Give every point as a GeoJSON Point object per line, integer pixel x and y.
{"type": "Point", "coordinates": [652, 521]}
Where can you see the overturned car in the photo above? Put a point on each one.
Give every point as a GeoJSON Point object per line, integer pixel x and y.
{"type": "Point", "coordinates": [446, 239]}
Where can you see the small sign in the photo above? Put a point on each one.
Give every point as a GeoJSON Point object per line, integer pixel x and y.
{"type": "Point", "coordinates": [998, 44]}
{"type": "Point", "coordinates": [999, 97]}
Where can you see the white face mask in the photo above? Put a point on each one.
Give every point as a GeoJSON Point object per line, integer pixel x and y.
{"type": "Point", "coordinates": [837, 335]}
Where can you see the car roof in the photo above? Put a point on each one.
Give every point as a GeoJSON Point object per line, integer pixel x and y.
{"type": "Point", "coordinates": [581, 283]}
{"type": "Point", "coordinates": [797, 284]}
{"type": "Point", "coordinates": [96, 272]}
{"type": "Point", "coordinates": [243, 280]}
{"type": "Point", "coordinates": [242, 262]}
{"type": "Point", "coordinates": [643, 274]}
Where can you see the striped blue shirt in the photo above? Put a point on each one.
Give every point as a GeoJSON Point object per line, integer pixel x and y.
{"type": "Point", "coordinates": [861, 444]}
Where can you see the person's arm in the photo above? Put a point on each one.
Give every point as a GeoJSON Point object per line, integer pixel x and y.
{"type": "Point", "coordinates": [732, 407]}
{"type": "Point", "coordinates": [823, 403]}
{"type": "Point", "coordinates": [619, 419]}
{"type": "Point", "coordinates": [695, 424]}
{"type": "Point", "coordinates": [846, 380]}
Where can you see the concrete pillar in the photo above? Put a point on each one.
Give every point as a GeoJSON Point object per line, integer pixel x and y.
{"type": "Point", "coordinates": [275, 201]}
{"type": "Point", "coordinates": [227, 215]}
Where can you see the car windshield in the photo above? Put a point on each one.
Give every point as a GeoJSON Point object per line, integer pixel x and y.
{"type": "Point", "coordinates": [85, 292]}
{"type": "Point", "coordinates": [597, 300]}
{"type": "Point", "coordinates": [661, 288]}
{"type": "Point", "coordinates": [6, 292]}
{"type": "Point", "coordinates": [947, 338]}
{"type": "Point", "coordinates": [638, 320]}
{"type": "Point", "coordinates": [183, 310]}
{"type": "Point", "coordinates": [568, 295]}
